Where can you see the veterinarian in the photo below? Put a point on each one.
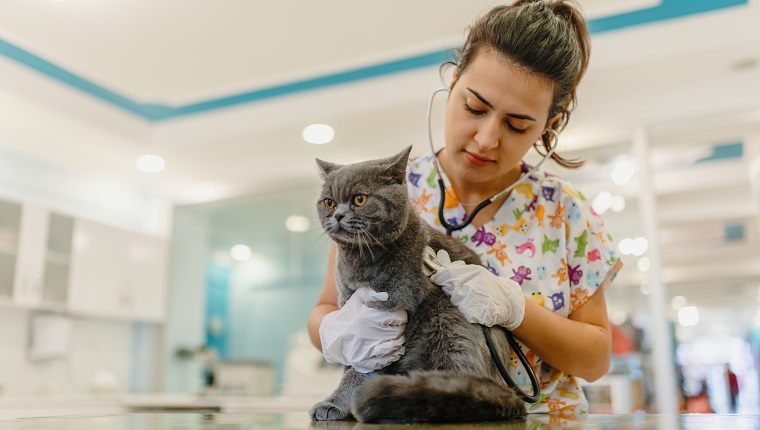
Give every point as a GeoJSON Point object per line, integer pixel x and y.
{"type": "Point", "coordinates": [548, 257]}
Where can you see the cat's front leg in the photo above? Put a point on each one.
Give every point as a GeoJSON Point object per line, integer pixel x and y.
{"type": "Point", "coordinates": [338, 405]}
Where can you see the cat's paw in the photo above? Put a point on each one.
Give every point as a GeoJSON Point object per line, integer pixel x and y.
{"type": "Point", "coordinates": [327, 411]}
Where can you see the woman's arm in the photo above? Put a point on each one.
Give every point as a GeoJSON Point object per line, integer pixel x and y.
{"type": "Point", "coordinates": [327, 301]}
{"type": "Point", "coordinates": [579, 345]}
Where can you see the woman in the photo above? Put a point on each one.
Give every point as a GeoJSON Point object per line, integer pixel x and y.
{"type": "Point", "coordinates": [514, 84]}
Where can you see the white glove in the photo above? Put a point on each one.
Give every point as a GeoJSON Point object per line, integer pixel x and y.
{"type": "Point", "coordinates": [481, 296]}
{"type": "Point", "coordinates": [364, 338]}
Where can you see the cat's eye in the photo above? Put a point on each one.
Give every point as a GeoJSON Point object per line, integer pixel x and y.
{"type": "Point", "coordinates": [360, 199]}
{"type": "Point", "coordinates": [329, 203]}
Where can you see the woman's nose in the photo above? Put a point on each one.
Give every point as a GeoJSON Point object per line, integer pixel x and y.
{"type": "Point", "coordinates": [488, 134]}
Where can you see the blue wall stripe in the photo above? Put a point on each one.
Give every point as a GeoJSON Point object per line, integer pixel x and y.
{"type": "Point", "coordinates": [667, 9]}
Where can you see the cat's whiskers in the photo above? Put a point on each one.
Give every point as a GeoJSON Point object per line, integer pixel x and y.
{"type": "Point", "coordinates": [369, 247]}
{"type": "Point", "coordinates": [374, 239]}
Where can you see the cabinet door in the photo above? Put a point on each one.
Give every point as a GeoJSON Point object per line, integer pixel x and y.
{"type": "Point", "coordinates": [10, 222]}
{"type": "Point", "coordinates": [116, 273]}
{"type": "Point", "coordinates": [57, 260]}
{"type": "Point", "coordinates": [30, 268]}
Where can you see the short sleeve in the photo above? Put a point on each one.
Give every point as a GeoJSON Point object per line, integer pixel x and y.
{"type": "Point", "coordinates": [591, 257]}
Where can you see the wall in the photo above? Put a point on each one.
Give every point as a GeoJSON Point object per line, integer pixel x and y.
{"type": "Point", "coordinates": [270, 296]}
{"type": "Point", "coordinates": [96, 344]}
{"type": "Point", "coordinates": [96, 347]}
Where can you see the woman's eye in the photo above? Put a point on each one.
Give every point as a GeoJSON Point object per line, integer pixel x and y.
{"type": "Point", "coordinates": [360, 199]}
{"type": "Point", "coordinates": [517, 130]}
{"type": "Point", "coordinates": [473, 111]}
{"type": "Point", "coordinates": [329, 203]}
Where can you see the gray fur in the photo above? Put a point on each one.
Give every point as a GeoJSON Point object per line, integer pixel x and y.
{"type": "Point", "coordinates": [446, 373]}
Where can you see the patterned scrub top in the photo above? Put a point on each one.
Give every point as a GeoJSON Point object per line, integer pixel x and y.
{"type": "Point", "coordinates": [547, 238]}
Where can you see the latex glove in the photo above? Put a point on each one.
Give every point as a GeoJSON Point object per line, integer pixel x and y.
{"type": "Point", "coordinates": [481, 296]}
{"type": "Point", "coordinates": [364, 338]}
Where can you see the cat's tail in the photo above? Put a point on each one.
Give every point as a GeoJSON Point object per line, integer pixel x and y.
{"type": "Point", "coordinates": [435, 397]}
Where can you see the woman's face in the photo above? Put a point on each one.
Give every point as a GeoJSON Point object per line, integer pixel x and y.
{"type": "Point", "coordinates": [495, 113]}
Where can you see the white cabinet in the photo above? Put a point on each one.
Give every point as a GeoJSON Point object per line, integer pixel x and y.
{"type": "Point", "coordinates": [34, 248]}
{"type": "Point", "coordinates": [116, 273]}
{"type": "Point", "coordinates": [53, 261]}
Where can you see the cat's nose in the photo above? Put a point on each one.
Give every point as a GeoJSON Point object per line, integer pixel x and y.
{"type": "Point", "coordinates": [339, 216]}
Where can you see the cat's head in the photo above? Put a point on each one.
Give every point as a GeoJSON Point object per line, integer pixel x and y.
{"type": "Point", "coordinates": [365, 203]}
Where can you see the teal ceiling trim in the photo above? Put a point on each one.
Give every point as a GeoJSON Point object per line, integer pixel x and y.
{"type": "Point", "coordinates": [60, 74]}
{"type": "Point", "coordinates": [359, 74]}
{"type": "Point", "coordinates": [667, 9]}
{"type": "Point", "coordinates": [724, 151]}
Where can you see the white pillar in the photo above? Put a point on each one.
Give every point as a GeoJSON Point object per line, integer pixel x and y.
{"type": "Point", "coordinates": [186, 310]}
{"type": "Point", "coordinates": [666, 394]}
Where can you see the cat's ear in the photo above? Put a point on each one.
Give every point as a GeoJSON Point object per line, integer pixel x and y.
{"type": "Point", "coordinates": [397, 164]}
{"type": "Point", "coordinates": [325, 168]}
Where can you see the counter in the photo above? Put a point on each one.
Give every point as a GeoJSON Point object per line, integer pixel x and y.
{"type": "Point", "coordinates": [300, 420]}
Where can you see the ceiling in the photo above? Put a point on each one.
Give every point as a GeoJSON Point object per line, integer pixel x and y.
{"type": "Point", "coordinates": [222, 90]}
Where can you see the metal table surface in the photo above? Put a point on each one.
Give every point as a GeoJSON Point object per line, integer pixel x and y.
{"type": "Point", "coordinates": [298, 421]}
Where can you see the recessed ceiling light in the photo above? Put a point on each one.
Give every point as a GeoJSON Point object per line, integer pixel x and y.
{"type": "Point", "coordinates": [150, 163]}
{"type": "Point", "coordinates": [623, 172]}
{"type": "Point", "coordinates": [618, 203]}
{"type": "Point", "coordinates": [644, 264]}
{"type": "Point", "coordinates": [602, 202]}
{"type": "Point", "coordinates": [318, 134]}
{"type": "Point", "coordinates": [297, 223]}
{"type": "Point", "coordinates": [688, 316]}
{"type": "Point", "coordinates": [240, 253]}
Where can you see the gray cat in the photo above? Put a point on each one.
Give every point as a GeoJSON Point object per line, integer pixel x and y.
{"type": "Point", "coordinates": [446, 374]}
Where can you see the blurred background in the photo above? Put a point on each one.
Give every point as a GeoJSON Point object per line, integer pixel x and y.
{"type": "Point", "coordinates": [158, 241]}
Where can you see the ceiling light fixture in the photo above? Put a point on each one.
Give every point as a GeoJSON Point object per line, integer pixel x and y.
{"type": "Point", "coordinates": [297, 223]}
{"type": "Point", "coordinates": [240, 253]}
{"type": "Point", "coordinates": [602, 202]}
{"type": "Point", "coordinates": [623, 172]}
{"type": "Point", "coordinates": [618, 203]}
{"type": "Point", "coordinates": [318, 134]}
{"type": "Point", "coordinates": [688, 316]}
{"type": "Point", "coordinates": [150, 163]}
{"type": "Point", "coordinates": [644, 264]}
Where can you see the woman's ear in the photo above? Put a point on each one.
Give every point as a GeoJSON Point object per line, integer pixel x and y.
{"type": "Point", "coordinates": [551, 122]}
{"type": "Point", "coordinates": [453, 78]}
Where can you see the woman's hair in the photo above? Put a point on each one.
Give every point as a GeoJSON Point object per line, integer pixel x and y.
{"type": "Point", "coordinates": [548, 38]}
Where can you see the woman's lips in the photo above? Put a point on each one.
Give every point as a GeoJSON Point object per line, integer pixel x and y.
{"type": "Point", "coordinates": [478, 161]}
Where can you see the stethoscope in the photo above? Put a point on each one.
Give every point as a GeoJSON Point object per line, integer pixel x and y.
{"type": "Point", "coordinates": [450, 228]}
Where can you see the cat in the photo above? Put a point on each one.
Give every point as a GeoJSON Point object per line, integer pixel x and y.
{"type": "Point", "coordinates": [446, 374]}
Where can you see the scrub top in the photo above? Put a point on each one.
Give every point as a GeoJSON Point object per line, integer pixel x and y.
{"type": "Point", "coordinates": [547, 238]}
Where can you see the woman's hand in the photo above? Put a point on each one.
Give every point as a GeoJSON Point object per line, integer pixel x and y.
{"type": "Point", "coordinates": [362, 337]}
{"type": "Point", "coordinates": [481, 296]}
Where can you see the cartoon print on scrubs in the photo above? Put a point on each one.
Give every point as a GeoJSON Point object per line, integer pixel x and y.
{"type": "Point", "coordinates": [545, 237]}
